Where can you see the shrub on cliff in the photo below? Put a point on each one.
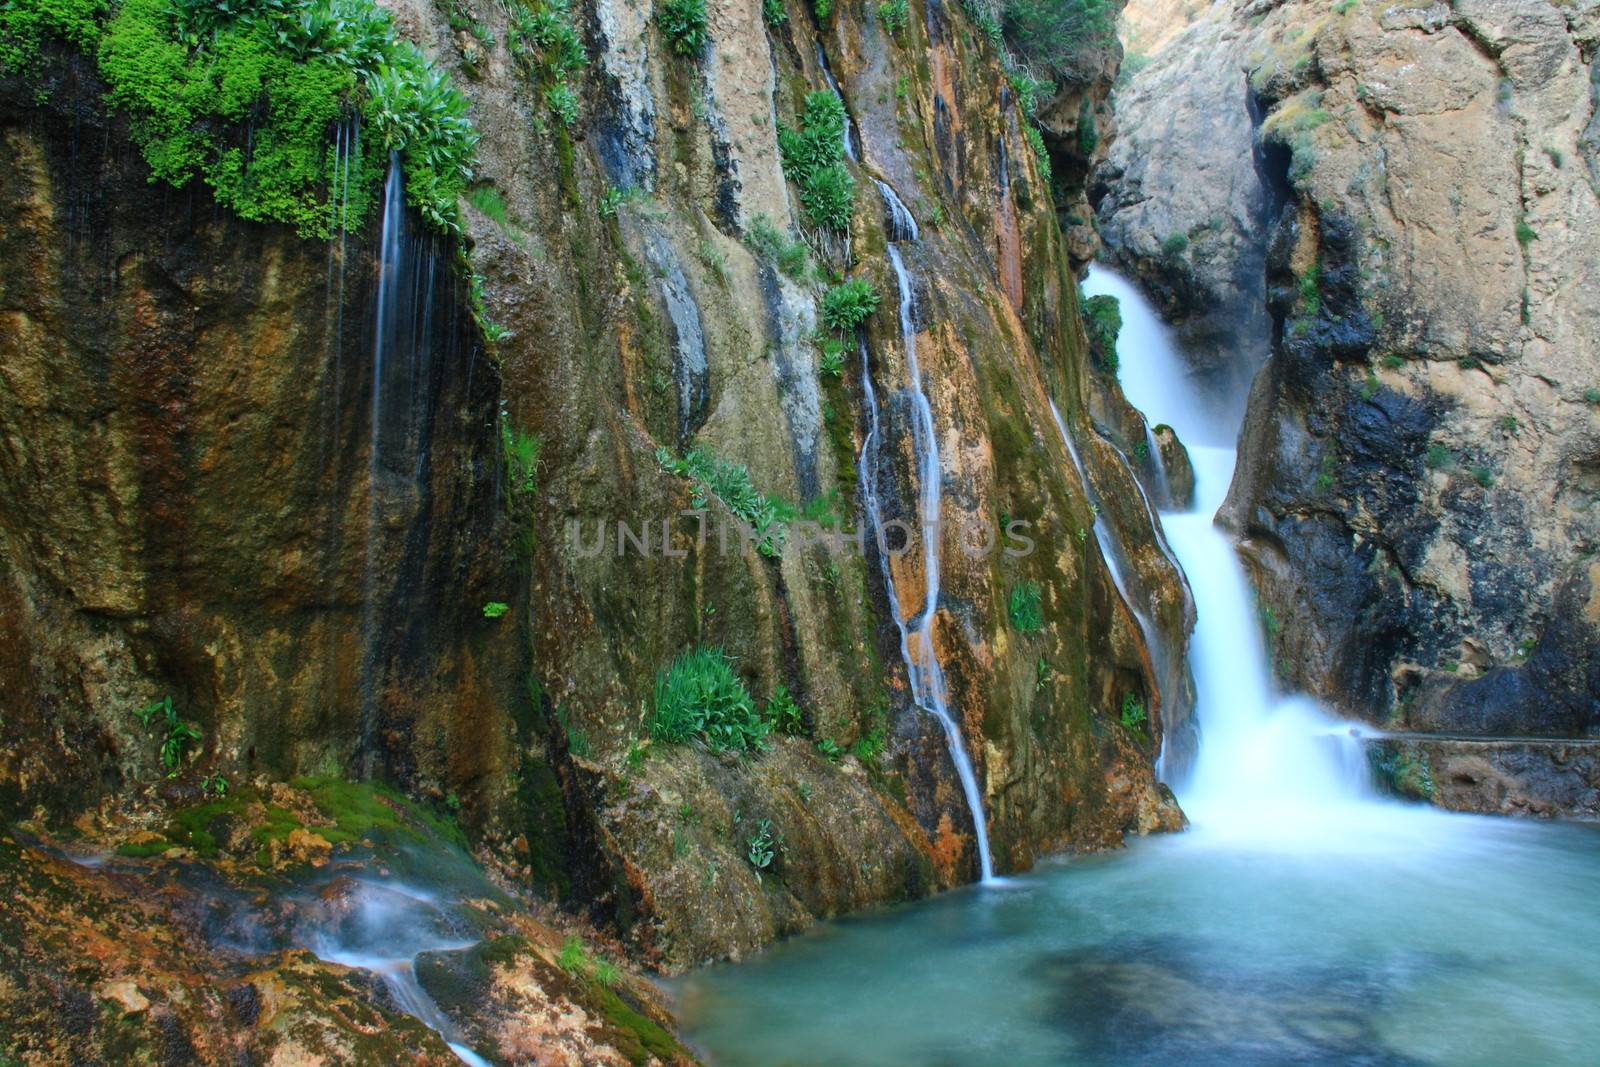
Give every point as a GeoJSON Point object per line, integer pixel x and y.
{"type": "Point", "coordinates": [700, 699]}
{"type": "Point", "coordinates": [684, 23]}
{"type": "Point", "coordinates": [846, 306]}
{"type": "Point", "coordinates": [244, 96]}
{"type": "Point", "coordinates": [1060, 34]}
{"type": "Point", "coordinates": [813, 158]}
{"type": "Point", "coordinates": [1102, 319]}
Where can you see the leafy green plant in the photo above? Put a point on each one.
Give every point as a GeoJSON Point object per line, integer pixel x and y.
{"type": "Point", "coordinates": [1526, 234]}
{"type": "Point", "coordinates": [1041, 675]}
{"type": "Point", "coordinates": [774, 12]}
{"type": "Point", "coordinates": [700, 699]}
{"type": "Point", "coordinates": [813, 159]}
{"type": "Point", "coordinates": [761, 848]}
{"type": "Point", "coordinates": [783, 713]}
{"type": "Point", "coordinates": [869, 746]}
{"type": "Point", "coordinates": [684, 23]}
{"type": "Point", "coordinates": [563, 103]}
{"type": "Point", "coordinates": [1103, 321]}
{"type": "Point", "coordinates": [1133, 715]}
{"type": "Point", "coordinates": [573, 959]}
{"type": "Point", "coordinates": [1041, 154]}
{"type": "Point", "coordinates": [894, 14]}
{"type": "Point", "coordinates": [1024, 607]}
{"type": "Point", "coordinates": [832, 363]}
{"type": "Point", "coordinates": [180, 735]}
{"type": "Point", "coordinates": [1482, 475]}
{"type": "Point", "coordinates": [822, 9]}
{"type": "Point", "coordinates": [494, 609]}
{"type": "Point", "coordinates": [214, 785]}
{"type": "Point", "coordinates": [1437, 457]}
{"type": "Point", "coordinates": [521, 452]}
{"type": "Point", "coordinates": [730, 483]}
{"type": "Point", "coordinates": [847, 305]}
{"type": "Point", "coordinates": [1174, 244]}
{"type": "Point", "coordinates": [829, 749]}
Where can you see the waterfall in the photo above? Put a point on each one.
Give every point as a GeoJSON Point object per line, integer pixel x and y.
{"type": "Point", "coordinates": [926, 676]}
{"type": "Point", "coordinates": [849, 123]}
{"type": "Point", "coordinates": [898, 220]}
{"type": "Point", "coordinates": [386, 928]}
{"type": "Point", "coordinates": [1269, 767]}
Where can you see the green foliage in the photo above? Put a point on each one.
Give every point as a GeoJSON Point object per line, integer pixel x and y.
{"type": "Point", "coordinates": [822, 8]}
{"type": "Point", "coordinates": [700, 699]}
{"type": "Point", "coordinates": [1024, 608]}
{"type": "Point", "coordinates": [1174, 244]}
{"type": "Point", "coordinates": [1056, 34]}
{"type": "Point", "coordinates": [761, 848]}
{"type": "Point", "coordinates": [214, 785]}
{"type": "Point", "coordinates": [1402, 773]}
{"type": "Point", "coordinates": [1526, 234]}
{"type": "Point", "coordinates": [829, 749]}
{"type": "Point", "coordinates": [869, 746]}
{"type": "Point", "coordinates": [25, 25]}
{"type": "Point", "coordinates": [243, 95]}
{"type": "Point", "coordinates": [1041, 155]}
{"type": "Point", "coordinates": [521, 453]}
{"type": "Point", "coordinates": [1437, 457]}
{"type": "Point", "coordinates": [179, 736]}
{"type": "Point", "coordinates": [563, 103]}
{"type": "Point", "coordinates": [1103, 321]}
{"type": "Point", "coordinates": [813, 159]}
{"type": "Point", "coordinates": [486, 199]}
{"type": "Point", "coordinates": [832, 363]}
{"type": "Point", "coordinates": [847, 305]}
{"type": "Point", "coordinates": [494, 609]}
{"type": "Point", "coordinates": [771, 244]}
{"type": "Point", "coordinates": [894, 14]}
{"type": "Point", "coordinates": [783, 713]}
{"type": "Point", "coordinates": [774, 12]}
{"type": "Point", "coordinates": [1482, 475]}
{"type": "Point", "coordinates": [543, 40]}
{"type": "Point", "coordinates": [1591, 395]}
{"type": "Point", "coordinates": [730, 482]}
{"type": "Point", "coordinates": [1133, 715]}
{"type": "Point", "coordinates": [684, 23]}
{"type": "Point", "coordinates": [573, 958]}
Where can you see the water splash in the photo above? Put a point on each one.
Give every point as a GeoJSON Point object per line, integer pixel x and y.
{"type": "Point", "coordinates": [900, 224]}
{"type": "Point", "coordinates": [926, 676]}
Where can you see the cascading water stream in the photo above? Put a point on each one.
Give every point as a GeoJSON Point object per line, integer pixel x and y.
{"type": "Point", "coordinates": [916, 634]}
{"type": "Point", "coordinates": [1269, 768]}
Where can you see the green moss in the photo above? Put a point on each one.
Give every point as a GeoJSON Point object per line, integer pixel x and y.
{"type": "Point", "coordinates": [653, 1040]}
{"type": "Point", "coordinates": [367, 811]}
{"type": "Point", "coordinates": [142, 849]}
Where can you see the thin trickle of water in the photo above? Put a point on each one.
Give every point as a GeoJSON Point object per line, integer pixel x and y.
{"type": "Point", "coordinates": [387, 929]}
{"type": "Point", "coordinates": [1158, 466]}
{"type": "Point", "coordinates": [850, 149]}
{"type": "Point", "coordinates": [900, 223]}
{"type": "Point", "coordinates": [1111, 550]}
{"type": "Point", "coordinates": [923, 670]}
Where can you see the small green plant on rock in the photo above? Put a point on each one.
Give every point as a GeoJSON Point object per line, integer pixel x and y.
{"type": "Point", "coordinates": [700, 699]}
{"type": "Point", "coordinates": [1133, 715]}
{"type": "Point", "coordinates": [774, 12]}
{"type": "Point", "coordinates": [1174, 244]}
{"type": "Point", "coordinates": [179, 737]}
{"type": "Point", "coordinates": [847, 305]}
{"type": "Point", "coordinates": [494, 609]}
{"type": "Point", "coordinates": [1402, 772]}
{"type": "Point", "coordinates": [761, 847]}
{"type": "Point", "coordinates": [684, 24]}
{"type": "Point", "coordinates": [1103, 320]}
{"type": "Point", "coordinates": [813, 158]}
{"type": "Point", "coordinates": [894, 14]}
{"type": "Point", "coordinates": [869, 746]}
{"type": "Point", "coordinates": [783, 713]}
{"type": "Point", "coordinates": [1025, 607]}
{"type": "Point", "coordinates": [730, 483]}
{"type": "Point", "coordinates": [829, 749]}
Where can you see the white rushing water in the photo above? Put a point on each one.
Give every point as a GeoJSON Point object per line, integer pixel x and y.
{"type": "Point", "coordinates": [1271, 769]}
{"type": "Point", "coordinates": [926, 676]}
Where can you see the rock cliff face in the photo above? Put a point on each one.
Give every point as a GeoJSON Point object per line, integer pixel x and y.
{"type": "Point", "coordinates": [207, 497]}
{"type": "Point", "coordinates": [1414, 492]}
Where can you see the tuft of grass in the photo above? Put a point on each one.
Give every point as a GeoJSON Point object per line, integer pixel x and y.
{"type": "Point", "coordinates": [1526, 234]}
{"type": "Point", "coordinates": [1437, 457]}
{"type": "Point", "coordinates": [1025, 607]}
{"type": "Point", "coordinates": [700, 699]}
{"type": "Point", "coordinates": [494, 609]}
{"type": "Point", "coordinates": [1174, 244]}
{"type": "Point", "coordinates": [489, 203]}
{"type": "Point", "coordinates": [771, 244]}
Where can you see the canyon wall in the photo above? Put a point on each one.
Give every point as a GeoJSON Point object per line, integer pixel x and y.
{"type": "Point", "coordinates": [207, 498]}
{"type": "Point", "coordinates": [1409, 191]}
